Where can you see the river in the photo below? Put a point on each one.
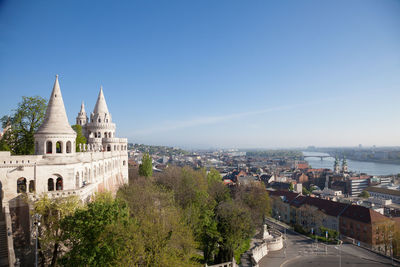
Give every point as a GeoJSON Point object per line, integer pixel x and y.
{"type": "Point", "coordinates": [371, 168]}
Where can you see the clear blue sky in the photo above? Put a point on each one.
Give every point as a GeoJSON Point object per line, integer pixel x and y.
{"type": "Point", "coordinates": [214, 73]}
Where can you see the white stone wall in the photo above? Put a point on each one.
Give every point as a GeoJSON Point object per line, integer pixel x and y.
{"type": "Point", "coordinates": [104, 170]}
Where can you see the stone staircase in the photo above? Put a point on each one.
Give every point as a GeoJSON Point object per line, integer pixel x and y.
{"type": "Point", "coordinates": [3, 241]}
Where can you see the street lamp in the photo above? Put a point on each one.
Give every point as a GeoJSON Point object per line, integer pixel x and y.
{"type": "Point", "coordinates": [36, 222]}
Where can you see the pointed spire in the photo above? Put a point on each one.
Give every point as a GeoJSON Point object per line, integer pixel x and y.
{"type": "Point", "coordinates": [82, 108]}
{"type": "Point", "coordinates": [55, 120]}
{"type": "Point", "coordinates": [101, 105]}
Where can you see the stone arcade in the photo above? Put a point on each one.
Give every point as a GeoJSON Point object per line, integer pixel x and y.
{"type": "Point", "coordinates": [57, 169]}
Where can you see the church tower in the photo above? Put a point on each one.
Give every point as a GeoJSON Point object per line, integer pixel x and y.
{"type": "Point", "coordinates": [336, 167]}
{"type": "Point", "coordinates": [55, 137]}
{"type": "Point", "coordinates": [345, 168]}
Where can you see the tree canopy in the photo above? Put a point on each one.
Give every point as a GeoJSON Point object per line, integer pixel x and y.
{"type": "Point", "coordinates": [163, 220]}
{"type": "Point", "coordinates": [80, 138]}
{"type": "Point", "coordinates": [364, 194]}
{"type": "Point", "coordinates": [22, 125]}
{"type": "Point", "coordinates": [146, 167]}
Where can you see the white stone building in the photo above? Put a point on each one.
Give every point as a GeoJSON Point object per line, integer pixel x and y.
{"type": "Point", "coordinates": [57, 169]}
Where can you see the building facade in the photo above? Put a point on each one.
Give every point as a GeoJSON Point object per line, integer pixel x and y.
{"type": "Point", "coordinates": [57, 169]}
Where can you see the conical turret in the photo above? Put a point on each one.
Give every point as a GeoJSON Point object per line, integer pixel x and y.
{"type": "Point", "coordinates": [81, 119]}
{"type": "Point", "coordinates": [56, 120]}
{"type": "Point", "coordinates": [101, 105]}
{"type": "Point", "coordinates": [55, 136]}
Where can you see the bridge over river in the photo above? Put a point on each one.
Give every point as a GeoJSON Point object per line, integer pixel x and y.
{"type": "Point", "coordinates": [322, 157]}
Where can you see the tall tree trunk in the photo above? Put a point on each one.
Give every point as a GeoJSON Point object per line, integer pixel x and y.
{"type": "Point", "coordinates": [55, 254]}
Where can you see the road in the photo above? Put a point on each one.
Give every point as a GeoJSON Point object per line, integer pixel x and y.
{"type": "Point", "coordinates": [301, 251]}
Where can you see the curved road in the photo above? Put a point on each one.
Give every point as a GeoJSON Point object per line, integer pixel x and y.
{"type": "Point", "coordinates": [301, 251]}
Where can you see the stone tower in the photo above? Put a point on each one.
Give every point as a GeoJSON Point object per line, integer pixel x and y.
{"type": "Point", "coordinates": [82, 118]}
{"type": "Point", "coordinates": [55, 137]}
{"type": "Point", "coordinates": [336, 167]}
{"type": "Point", "coordinates": [345, 168]}
{"type": "Point", "coordinates": [100, 131]}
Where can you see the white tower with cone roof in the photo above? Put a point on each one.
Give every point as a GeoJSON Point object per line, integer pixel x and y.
{"type": "Point", "coordinates": [82, 118]}
{"type": "Point", "coordinates": [55, 137]}
{"type": "Point", "coordinates": [100, 131]}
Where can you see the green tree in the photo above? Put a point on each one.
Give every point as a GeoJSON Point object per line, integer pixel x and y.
{"type": "Point", "coordinates": [291, 187]}
{"type": "Point", "coordinates": [364, 194]}
{"type": "Point", "coordinates": [167, 239]}
{"type": "Point", "coordinates": [88, 232]}
{"type": "Point", "coordinates": [255, 197]}
{"type": "Point", "coordinates": [24, 122]}
{"type": "Point", "coordinates": [52, 211]}
{"type": "Point", "coordinates": [236, 229]}
{"type": "Point", "coordinates": [80, 138]}
{"type": "Point", "coordinates": [146, 167]}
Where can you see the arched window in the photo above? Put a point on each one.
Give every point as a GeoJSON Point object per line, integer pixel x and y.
{"type": "Point", "coordinates": [59, 147]}
{"type": "Point", "coordinates": [109, 134]}
{"type": "Point", "coordinates": [95, 135]}
{"type": "Point", "coordinates": [50, 184]}
{"type": "Point", "coordinates": [68, 147]}
{"type": "Point", "coordinates": [99, 120]}
{"type": "Point", "coordinates": [31, 186]}
{"type": "Point", "coordinates": [49, 147]}
{"type": "Point", "coordinates": [77, 180]}
{"type": "Point", "coordinates": [21, 185]}
{"type": "Point", "coordinates": [98, 135]}
{"type": "Point", "coordinates": [124, 163]}
{"type": "Point", "coordinates": [36, 148]}
{"type": "Point", "coordinates": [115, 147]}
{"type": "Point", "coordinates": [59, 184]}
{"type": "Point", "coordinates": [108, 147]}
{"type": "Point", "coordinates": [105, 134]}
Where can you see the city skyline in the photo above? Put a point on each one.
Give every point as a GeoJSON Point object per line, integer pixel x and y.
{"type": "Point", "coordinates": [214, 74]}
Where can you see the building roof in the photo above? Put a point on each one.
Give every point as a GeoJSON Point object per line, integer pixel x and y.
{"type": "Point", "coordinates": [82, 108]}
{"type": "Point", "coordinates": [289, 196]}
{"type": "Point", "coordinates": [279, 186]}
{"type": "Point", "coordinates": [383, 190]}
{"type": "Point", "coordinates": [101, 105]}
{"type": "Point", "coordinates": [329, 207]}
{"type": "Point", "coordinates": [302, 166]}
{"type": "Point", "coordinates": [56, 120]}
{"type": "Point", "coordinates": [362, 214]}
{"type": "Point", "coordinates": [298, 201]}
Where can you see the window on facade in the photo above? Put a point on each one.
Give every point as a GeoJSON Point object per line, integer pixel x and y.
{"type": "Point", "coordinates": [98, 135]}
{"type": "Point", "coordinates": [68, 147]}
{"type": "Point", "coordinates": [50, 184]}
{"type": "Point", "coordinates": [108, 148]}
{"type": "Point", "coordinates": [21, 185]}
{"type": "Point", "coordinates": [31, 186]}
{"type": "Point", "coordinates": [58, 147]}
{"type": "Point", "coordinates": [49, 147]}
{"type": "Point", "coordinates": [59, 184]}
{"type": "Point", "coordinates": [124, 163]}
{"type": "Point", "coordinates": [99, 120]}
